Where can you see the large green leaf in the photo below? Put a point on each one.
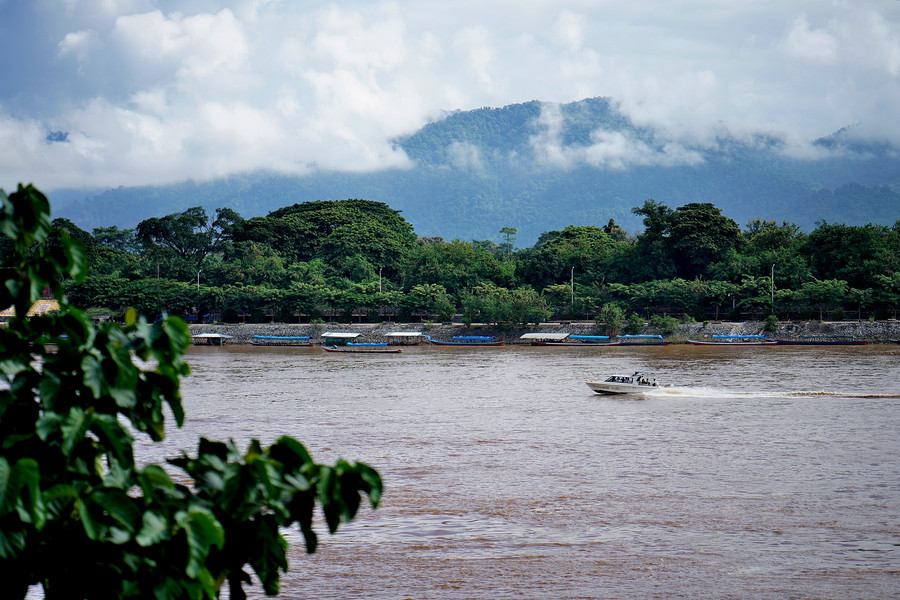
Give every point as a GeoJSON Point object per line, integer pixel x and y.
{"type": "Point", "coordinates": [118, 506]}
{"type": "Point", "coordinates": [115, 438]}
{"type": "Point", "coordinates": [154, 529]}
{"type": "Point", "coordinates": [7, 492]}
{"type": "Point", "coordinates": [268, 557]}
{"type": "Point", "coordinates": [11, 542]}
{"type": "Point", "coordinates": [373, 483]}
{"type": "Point", "coordinates": [94, 378]}
{"type": "Point", "coordinates": [26, 475]}
{"type": "Point", "coordinates": [203, 531]}
{"type": "Point", "coordinates": [74, 427]}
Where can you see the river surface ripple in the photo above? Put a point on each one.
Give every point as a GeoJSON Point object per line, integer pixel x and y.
{"type": "Point", "coordinates": [758, 472]}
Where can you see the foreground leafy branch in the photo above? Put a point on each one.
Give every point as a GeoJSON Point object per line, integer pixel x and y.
{"type": "Point", "coordinates": [77, 515]}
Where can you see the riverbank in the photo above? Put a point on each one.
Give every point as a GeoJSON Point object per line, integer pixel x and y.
{"type": "Point", "coordinates": [869, 331]}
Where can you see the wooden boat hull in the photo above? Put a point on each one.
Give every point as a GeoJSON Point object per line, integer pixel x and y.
{"type": "Point", "coordinates": [821, 342]}
{"type": "Point", "coordinates": [760, 343]}
{"type": "Point", "coordinates": [577, 344]}
{"type": "Point", "coordinates": [440, 343]}
{"type": "Point", "coordinates": [360, 350]}
{"type": "Point", "coordinates": [644, 343]}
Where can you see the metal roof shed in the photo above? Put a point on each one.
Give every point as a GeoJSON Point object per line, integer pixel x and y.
{"type": "Point", "coordinates": [545, 336]}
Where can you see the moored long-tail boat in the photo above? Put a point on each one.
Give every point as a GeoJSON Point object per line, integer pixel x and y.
{"type": "Point", "coordinates": [642, 340]}
{"type": "Point", "coordinates": [280, 340]}
{"type": "Point", "coordinates": [567, 339]}
{"type": "Point", "coordinates": [823, 341]}
{"type": "Point", "coordinates": [735, 340]}
{"type": "Point", "coordinates": [373, 348]}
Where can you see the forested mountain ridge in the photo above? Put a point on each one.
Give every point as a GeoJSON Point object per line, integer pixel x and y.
{"type": "Point", "coordinates": [538, 166]}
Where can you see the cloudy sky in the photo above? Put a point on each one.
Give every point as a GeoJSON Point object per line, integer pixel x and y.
{"type": "Point", "coordinates": [103, 93]}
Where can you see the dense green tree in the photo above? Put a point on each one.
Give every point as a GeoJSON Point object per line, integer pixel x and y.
{"type": "Point", "coordinates": [610, 319]}
{"type": "Point", "coordinates": [179, 242]}
{"type": "Point", "coordinates": [124, 240]}
{"type": "Point", "coordinates": [429, 299]}
{"type": "Point", "coordinates": [489, 303]}
{"type": "Point", "coordinates": [765, 244]}
{"type": "Point", "coordinates": [333, 231]}
{"type": "Point", "coordinates": [857, 255]}
{"type": "Point", "coordinates": [509, 239]}
{"type": "Point", "coordinates": [823, 294]}
{"type": "Point", "coordinates": [888, 292]}
{"type": "Point", "coordinates": [590, 251]}
{"type": "Point", "coordinates": [698, 236]}
{"type": "Point", "coordinates": [456, 265]}
{"type": "Point", "coordinates": [77, 515]}
{"type": "Point", "coordinates": [650, 257]}
{"type": "Point", "coordinates": [613, 230]}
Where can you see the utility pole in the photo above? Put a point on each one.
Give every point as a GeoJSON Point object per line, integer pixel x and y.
{"type": "Point", "coordinates": [198, 282]}
{"type": "Point", "coordinates": [772, 288]}
{"type": "Point", "coordinates": [573, 290]}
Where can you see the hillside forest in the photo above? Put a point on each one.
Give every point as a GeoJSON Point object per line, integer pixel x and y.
{"type": "Point", "coordinates": [360, 260]}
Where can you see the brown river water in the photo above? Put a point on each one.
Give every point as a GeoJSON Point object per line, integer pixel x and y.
{"type": "Point", "coordinates": [754, 472]}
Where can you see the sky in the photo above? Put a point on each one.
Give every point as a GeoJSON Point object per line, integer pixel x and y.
{"type": "Point", "coordinates": [107, 93]}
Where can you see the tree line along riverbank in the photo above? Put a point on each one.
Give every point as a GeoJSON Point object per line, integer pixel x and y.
{"type": "Point", "coordinates": [869, 331]}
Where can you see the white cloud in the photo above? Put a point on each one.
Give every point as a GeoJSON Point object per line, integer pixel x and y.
{"type": "Point", "coordinates": [464, 155]}
{"type": "Point", "coordinates": [615, 150]}
{"type": "Point", "coordinates": [200, 46]}
{"type": "Point", "coordinates": [161, 90]}
{"type": "Point", "coordinates": [80, 43]}
{"type": "Point", "coordinates": [811, 44]}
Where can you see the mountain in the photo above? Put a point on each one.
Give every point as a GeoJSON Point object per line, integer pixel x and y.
{"type": "Point", "coordinates": [539, 167]}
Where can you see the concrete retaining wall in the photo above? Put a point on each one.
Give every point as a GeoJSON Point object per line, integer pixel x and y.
{"type": "Point", "coordinates": [873, 332]}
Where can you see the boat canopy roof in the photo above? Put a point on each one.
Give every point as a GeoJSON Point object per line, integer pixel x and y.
{"type": "Point", "coordinates": [282, 337]}
{"type": "Point", "coordinates": [340, 335]}
{"type": "Point", "coordinates": [544, 336]}
{"type": "Point", "coordinates": [741, 337]}
{"type": "Point", "coordinates": [476, 338]}
{"type": "Point", "coordinates": [590, 337]}
{"type": "Point", "coordinates": [404, 334]}
{"type": "Point", "coordinates": [640, 337]}
{"type": "Point", "coordinates": [206, 336]}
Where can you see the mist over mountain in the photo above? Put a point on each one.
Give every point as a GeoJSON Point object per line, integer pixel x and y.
{"type": "Point", "coordinates": [539, 167]}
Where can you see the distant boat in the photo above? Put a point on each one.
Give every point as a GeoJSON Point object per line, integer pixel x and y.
{"type": "Point", "coordinates": [408, 338]}
{"type": "Point", "coordinates": [894, 341]}
{"type": "Point", "coordinates": [735, 340]}
{"type": "Point", "coordinates": [210, 339]}
{"type": "Point", "coordinates": [339, 338]}
{"type": "Point", "coordinates": [640, 381]}
{"type": "Point", "coordinates": [363, 349]}
{"type": "Point", "coordinates": [642, 340]}
{"type": "Point", "coordinates": [280, 340]}
{"type": "Point", "coordinates": [822, 341]}
{"type": "Point", "coordinates": [469, 340]}
{"type": "Point", "coordinates": [567, 339]}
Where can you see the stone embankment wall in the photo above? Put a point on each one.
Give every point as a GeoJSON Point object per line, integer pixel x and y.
{"type": "Point", "coordinates": [873, 332]}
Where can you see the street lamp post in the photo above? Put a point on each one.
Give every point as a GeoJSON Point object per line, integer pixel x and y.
{"type": "Point", "coordinates": [573, 290]}
{"type": "Point", "coordinates": [772, 288]}
{"type": "Point", "coordinates": [198, 281]}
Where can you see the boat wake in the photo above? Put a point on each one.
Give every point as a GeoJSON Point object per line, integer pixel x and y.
{"type": "Point", "coordinates": [711, 392]}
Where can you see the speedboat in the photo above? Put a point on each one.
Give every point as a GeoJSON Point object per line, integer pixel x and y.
{"type": "Point", "coordinates": [639, 382]}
